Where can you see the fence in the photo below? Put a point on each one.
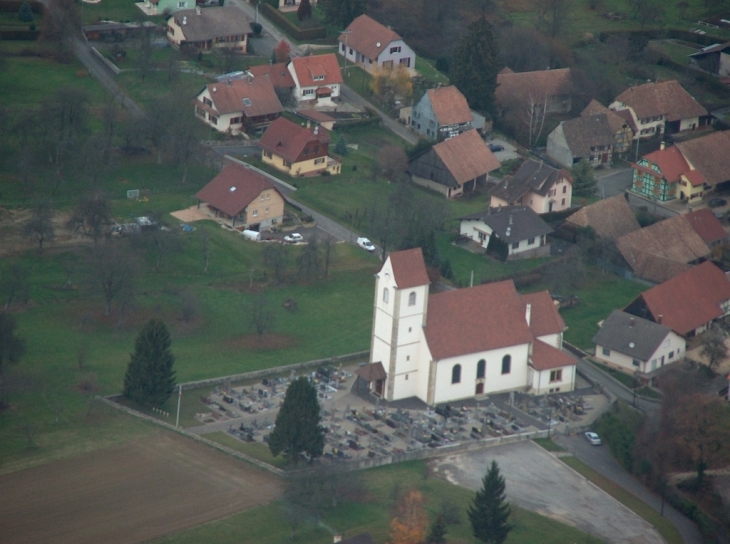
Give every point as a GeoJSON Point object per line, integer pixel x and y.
{"type": "Point", "coordinates": [109, 64]}
{"type": "Point", "coordinates": [290, 28]}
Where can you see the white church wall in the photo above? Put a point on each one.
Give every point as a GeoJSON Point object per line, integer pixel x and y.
{"type": "Point", "coordinates": [555, 340]}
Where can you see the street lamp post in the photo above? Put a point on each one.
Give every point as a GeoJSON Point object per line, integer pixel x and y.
{"type": "Point", "coordinates": [346, 32]}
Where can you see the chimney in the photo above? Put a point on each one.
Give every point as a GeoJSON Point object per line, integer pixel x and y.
{"type": "Point", "coordinates": [308, 124]}
{"type": "Point", "coordinates": [528, 313]}
{"type": "Point", "coordinates": [185, 20]}
{"type": "Point", "coordinates": [662, 145]}
{"type": "Point", "coordinates": [659, 319]}
{"type": "Point", "coordinates": [198, 11]}
{"type": "Point", "coordinates": [631, 322]}
{"type": "Point", "coordinates": [510, 219]}
{"type": "Point", "coordinates": [316, 129]}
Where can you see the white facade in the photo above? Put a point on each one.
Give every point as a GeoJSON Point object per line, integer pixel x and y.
{"type": "Point", "coordinates": [554, 380]}
{"type": "Point", "coordinates": [671, 350]}
{"type": "Point", "coordinates": [690, 123]}
{"type": "Point", "coordinates": [310, 92]}
{"type": "Point", "coordinates": [646, 128]}
{"type": "Point", "coordinates": [478, 231]}
{"type": "Point", "coordinates": [396, 53]}
{"type": "Point", "coordinates": [531, 244]}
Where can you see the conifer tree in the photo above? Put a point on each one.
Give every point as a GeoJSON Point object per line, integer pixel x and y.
{"type": "Point", "coordinates": [25, 13]}
{"type": "Point", "coordinates": [343, 12]}
{"type": "Point", "coordinates": [474, 66]}
{"type": "Point", "coordinates": [584, 179]}
{"type": "Point", "coordinates": [437, 531]}
{"type": "Point", "coordinates": [304, 11]}
{"type": "Point", "coordinates": [150, 379]}
{"type": "Point", "coordinates": [489, 511]}
{"type": "Point", "coordinates": [341, 147]}
{"type": "Point", "coordinates": [298, 428]}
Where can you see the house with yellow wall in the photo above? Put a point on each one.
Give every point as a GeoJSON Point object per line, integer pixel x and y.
{"type": "Point", "coordinates": [297, 150]}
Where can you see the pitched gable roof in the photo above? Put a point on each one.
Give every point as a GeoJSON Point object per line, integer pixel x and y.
{"type": "Point", "coordinates": [631, 335]}
{"type": "Point", "coordinates": [252, 96]}
{"type": "Point", "coordinates": [544, 316]}
{"type": "Point", "coordinates": [710, 155]}
{"type": "Point", "coordinates": [532, 175]}
{"type": "Point", "coordinates": [476, 319]}
{"type": "Point", "coordinates": [234, 188]}
{"type": "Point", "coordinates": [466, 156]}
{"type": "Point", "coordinates": [583, 133]}
{"type": "Point", "coordinates": [449, 106]}
{"type": "Point", "coordinates": [661, 98]}
{"type": "Point", "coordinates": [409, 268]}
{"type": "Point", "coordinates": [546, 357]}
{"type": "Point", "coordinates": [610, 218]}
{"type": "Point", "coordinates": [212, 23]}
{"type": "Point", "coordinates": [513, 223]}
{"type": "Point", "coordinates": [615, 121]}
{"type": "Point", "coordinates": [650, 251]}
{"type": "Point", "coordinates": [367, 36]}
{"type": "Point", "coordinates": [520, 86]}
{"type": "Point", "coordinates": [288, 139]}
{"type": "Point", "coordinates": [689, 300]}
{"type": "Point", "coordinates": [705, 224]}
{"type": "Point", "coordinates": [307, 68]}
{"type": "Point", "coordinates": [278, 73]}
{"type": "Point", "coordinates": [672, 163]}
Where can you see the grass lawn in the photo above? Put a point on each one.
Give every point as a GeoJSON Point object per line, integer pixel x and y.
{"type": "Point", "coordinates": [10, 19]}
{"type": "Point", "coordinates": [624, 378]}
{"type": "Point", "coordinates": [603, 292]}
{"type": "Point", "coordinates": [426, 68]}
{"type": "Point", "coordinates": [259, 451]}
{"type": "Point", "coordinates": [663, 525]}
{"type": "Point", "coordinates": [548, 444]}
{"type": "Point", "coordinates": [119, 11]}
{"type": "Point", "coordinates": [157, 84]}
{"type": "Point", "coordinates": [265, 525]}
{"type": "Point", "coordinates": [675, 51]}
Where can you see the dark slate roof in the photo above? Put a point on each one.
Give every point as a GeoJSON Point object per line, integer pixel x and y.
{"type": "Point", "coordinates": [535, 176]}
{"type": "Point", "coordinates": [582, 133]}
{"type": "Point", "coordinates": [633, 336]}
{"type": "Point", "coordinates": [513, 223]}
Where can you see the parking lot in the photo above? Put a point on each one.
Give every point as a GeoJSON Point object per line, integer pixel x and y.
{"type": "Point", "coordinates": [538, 481]}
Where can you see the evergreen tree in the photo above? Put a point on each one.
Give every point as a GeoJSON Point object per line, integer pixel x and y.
{"type": "Point", "coordinates": [304, 11]}
{"type": "Point", "coordinates": [12, 348]}
{"type": "Point", "coordinates": [474, 66]}
{"type": "Point", "coordinates": [298, 428]}
{"type": "Point", "coordinates": [150, 379]}
{"type": "Point", "coordinates": [341, 147]}
{"type": "Point", "coordinates": [342, 12]}
{"type": "Point", "coordinates": [584, 179]}
{"type": "Point", "coordinates": [489, 510]}
{"type": "Point", "coordinates": [437, 531]}
{"type": "Point", "coordinates": [25, 14]}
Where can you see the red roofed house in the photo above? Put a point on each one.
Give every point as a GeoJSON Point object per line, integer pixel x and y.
{"type": "Point", "coordinates": [687, 303]}
{"type": "Point", "coordinates": [454, 166]}
{"type": "Point", "coordinates": [296, 150]}
{"type": "Point", "coordinates": [278, 73]}
{"type": "Point", "coordinates": [240, 105]}
{"type": "Point", "coordinates": [244, 197]}
{"type": "Point", "coordinates": [441, 113]}
{"type": "Point", "coordinates": [372, 45]}
{"type": "Point", "coordinates": [659, 107]}
{"type": "Point", "coordinates": [209, 28]}
{"type": "Point", "coordinates": [316, 78]}
{"type": "Point", "coordinates": [465, 343]}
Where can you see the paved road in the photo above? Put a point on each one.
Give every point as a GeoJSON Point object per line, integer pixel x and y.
{"type": "Point", "coordinates": [396, 127]}
{"type": "Point", "coordinates": [616, 389]}
{"type": "Point", "coordinates": [614, 183]}
{"type": "Point", "coordinates": [601, 460]}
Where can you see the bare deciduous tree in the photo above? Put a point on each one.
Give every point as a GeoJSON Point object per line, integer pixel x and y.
{"type": "Point", "coordinates": [91, 217]}
{"type": "Point", "coordinates": [393, 162]}
{"type": "Point", "coordinates": [261, 315]}
{"type": "Point", "coordinates": [206, 251]}
{"type": "Point", "coordinates": [275, 259]}
{"type": "Point", "coordinates": [61, 24]}
{"type": "Point", "coordinates": [190, 307]}
{"type": "Point", "coordinates": [713, 346]}
{"type": "Point", "coordinates": [535, 110]}
{"type": "Point", "coordinates": [309, 260]}
{"type": "Point", "coordinates": [40, 225]}
{"type": "Point", "coordinates": [554, 15]}
{"type": "Point", "coordinates": [113, 271]}
{"type": "Point", "coordinates": [14, 284]}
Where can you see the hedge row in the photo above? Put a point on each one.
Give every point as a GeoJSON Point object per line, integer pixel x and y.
{"type": "Point", "coordinates": [672, 33]}
{"type": "Point", "coordinates": [14, 5]}
{"type": "Point", "coordinates": [294, 31]}
{"type": "Point", "coordinates": [706, 79]}
{"type": "Point", "coordinates": [19, 34]}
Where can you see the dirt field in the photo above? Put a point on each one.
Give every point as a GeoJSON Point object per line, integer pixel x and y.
{"type": "Point", "coordinates": [131, 493]}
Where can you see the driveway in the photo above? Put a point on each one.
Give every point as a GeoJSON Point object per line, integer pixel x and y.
{"type": "Point", "coordinates": [538, 481]}
{"type": "Point", "coordinates": [510, 151]}
{"type": "Point", "coordinates": [615, 182]}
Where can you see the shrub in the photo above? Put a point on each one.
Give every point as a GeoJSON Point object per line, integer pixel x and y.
{"type": "Point", "coordinates": [25, 13]}
{"type": "Point", "coordinates": [256, 27]}
{"type": "Point", "coordinates": [619, 437]}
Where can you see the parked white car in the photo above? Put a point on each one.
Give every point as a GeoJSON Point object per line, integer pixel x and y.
{"type": "Point", "coordinates": [366, 244]}
{"type": "Point", "coordinates": [593, 438]}
{"type": "Point", "coordinates": [294, 238]}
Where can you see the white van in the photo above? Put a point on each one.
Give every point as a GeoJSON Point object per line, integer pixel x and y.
{"type": "Point", "coordinates": [252, 235]}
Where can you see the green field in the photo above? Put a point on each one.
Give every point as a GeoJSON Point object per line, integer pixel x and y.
{"type": "Point", "coordinates": [371, 514]}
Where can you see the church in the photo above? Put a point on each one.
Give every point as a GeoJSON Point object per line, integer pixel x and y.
{"type": "Point", "coordinates": [464, 343]}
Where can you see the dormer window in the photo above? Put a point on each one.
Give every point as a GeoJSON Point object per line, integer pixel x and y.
{"type": "Point", "coordinates": [318, 78]}
{"type": "Point", "coordinates": [246, 101]}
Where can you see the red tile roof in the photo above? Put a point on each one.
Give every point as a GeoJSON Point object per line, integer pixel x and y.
{"type": "Point", "coordinates": [670, 161]}
{"type": "Point", "coordinates": [253, 96]}
{"type": "Point", "coordinates": [409, 268]}
{"type": "Point", "coordinates": [706, 225]}
{"type": "Point", "coordinates": [279, 74]}
{"type": "Point", "coordinates": [449, 106]}
{"type": "Point", "coordinates": [520, 86]}
{"type": "Point", "coordinates": [315, 115]}
{"type": "Point", "coordinates": [306, 68]}
{"type": "Point", "coordinates": [546, 357]}
{"type": "Point", "coordinates": [689, 300]}
{"type": "Point", "coordinates": [367, 36]}
{"type": "Point", "coordinates": [476, 319]}
{"type": "Point", "coordinates": [466, 156]}
{"type": "Point", "coordinates": [234, 188]}
{"type": "Point", "coordinates": [662, 98]}
{"type": "Point", "coordinates": [544, 316]}
{"type": "Point", "coordinates": [615, 121]}
{"type": "Point", "coordinates": [609, 218]}
{"type": "Point", "coordinates": [288, 139]}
